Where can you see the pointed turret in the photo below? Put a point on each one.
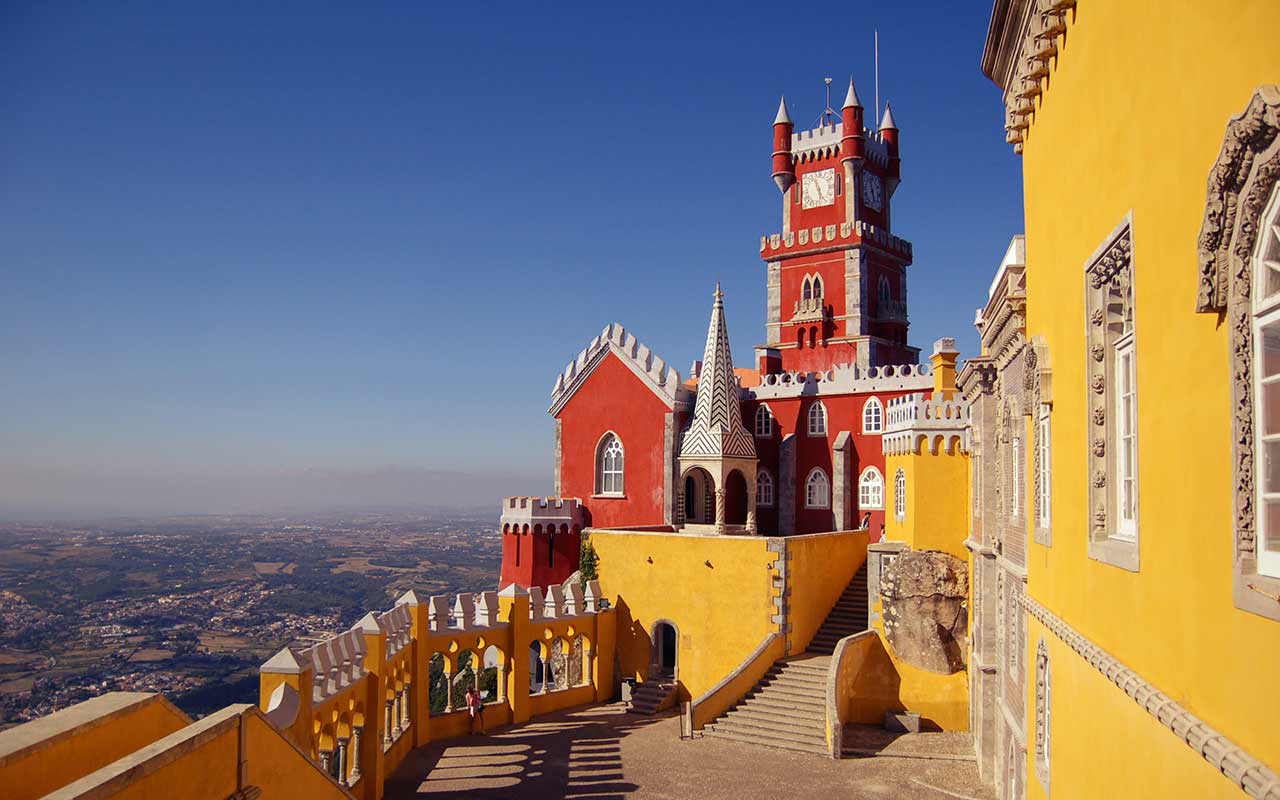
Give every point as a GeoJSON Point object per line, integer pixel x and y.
{"type": "Point", "coordinates": [784, 172]}
{"type": "Point", "coordinates": [886, 122]}
{"type": "Point", "coordinates": [889, 135]}
{"type": "Point", "coordinates": [717, 429]}
{"type": "Point", "coordinates": [851, 140]}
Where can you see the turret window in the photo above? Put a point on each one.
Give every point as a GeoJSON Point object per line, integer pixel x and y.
{"type": "Point", "coordinates": [817, 288]}
{"type": "Point", "coordinates": [806, 292]}
{"type": "Point", "coordinates": [609, 465]}
{"type": "Point", "coordinates": [873, 416]}
{"type": "Point", "coordinates": [764, 422]}
{"type": "Point", "coordinates": [817, 419]}
{"type": "Point", "coordinates": [871, 489]}
{"type": "Point", "coordinates": [900, 495]}
{"type": "Point", "coordinates": [764, 488]}
{"type": "Point", "coordinates": [817, 490]}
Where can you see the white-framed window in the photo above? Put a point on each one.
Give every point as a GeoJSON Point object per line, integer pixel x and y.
{"type": "Point", "coordinates": [817, 419]}
{"type": "Point", "coordinates": [1266, 415]}
{"type": "Point", "coordinates": [900, 495]}
{"type": "Point", "coordinates": [870, 489]}
{"type": "Point", "coordinates": [1126, 440]}
{"type": "Point", "coordinates": [873, 416]}
{"type": "Point", "coordinates": [817, 287]}
{"type": "Point", "coordinates": [609, 465]}
{"type": "Point", "coordinates": [764, 422]}
{"type": "Point", "coordinates": [1043, 462]}
{"type": "Point", "coordinates": [806, 289]}
{"type": "Point", "coordinates": [1015, 498]}
{"type": "Point", "coordinates": [764, 488]}
{"type": "Point", "coordinates": [817, 489]}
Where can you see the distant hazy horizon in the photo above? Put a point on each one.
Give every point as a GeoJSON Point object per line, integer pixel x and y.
{"type": "Point", "coordinates": [64, 495]}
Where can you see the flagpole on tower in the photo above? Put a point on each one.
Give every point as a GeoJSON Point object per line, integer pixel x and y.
{"type": "Point", "coordinates": [877, 50]}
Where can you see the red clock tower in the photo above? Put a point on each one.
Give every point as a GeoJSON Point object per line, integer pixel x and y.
{"type": "Point", "coordinates": [837, 276]}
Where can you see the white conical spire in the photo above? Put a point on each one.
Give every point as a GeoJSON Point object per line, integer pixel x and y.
{"type": "Point", "coordinates": [783, 116]}
{"type": "Point", "coordinates": [716, 428]}
{"type": "Point", "coordinates": [886, 122]}
{"type": "Point", "coordinates": [851, 99]}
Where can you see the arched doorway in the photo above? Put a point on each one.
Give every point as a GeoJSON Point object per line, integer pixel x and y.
{"type": "Point", "coordinates": [699, 497]}
{"type": "Point", "coordinates": [735, 499]}
{"type": "Point", "coordinates": [665, 657]}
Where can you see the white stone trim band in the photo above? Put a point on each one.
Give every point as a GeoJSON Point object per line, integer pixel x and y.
{"type": "Point", "coordinates": [1237, 765]}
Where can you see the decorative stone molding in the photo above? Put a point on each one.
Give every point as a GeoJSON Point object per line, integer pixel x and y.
{"type": "Point", "coordinates": [1235, 763]}
{"type": "Point", "coordinates": [914, 423]}
{"type": "Point", "coordinates": [1241, 183]}
{"type": "Point", "coordinates": [824, 240]}
{"type": "Point", "coordinates": [1021, 48]}
{"type": "Point", "coordinates": [1109, 276]}
{"type": "Point", "coordinates": [843, 379]}
{"type": "Point", "coordinates": [1042, 715]}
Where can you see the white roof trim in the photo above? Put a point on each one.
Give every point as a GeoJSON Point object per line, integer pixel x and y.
{"type": "Point", "coordinates": [663, 380]}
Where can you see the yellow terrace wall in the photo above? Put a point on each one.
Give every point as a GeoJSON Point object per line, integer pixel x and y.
{"type": "Point", "coordinates": [50, 752]}
{"type": "Point", "coordinates": [818, 571]}
{"type": "Point", "coordinates": [717, 591]}
{"type": "Point", "coordinates": [1132, 119]}
{"type": "Point", "coordinates": [937, 500]}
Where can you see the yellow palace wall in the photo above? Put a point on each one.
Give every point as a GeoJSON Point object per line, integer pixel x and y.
{"type": "Point", "coordinates": [937, 501]}
{"type": "Point", "coordinates": [1132, 119]}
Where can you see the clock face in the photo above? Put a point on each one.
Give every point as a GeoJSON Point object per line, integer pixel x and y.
{"type": "Point", "coordinates": [819, 188]}
{"type": "Point", "coordinates": [872, 191]}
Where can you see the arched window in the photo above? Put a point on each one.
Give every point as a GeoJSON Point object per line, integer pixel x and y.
{"type": "Point", "coordinates": [817, 288]}
{"type": "Point", "coordinates": [873, 416]}
{"type": "Point", "coordinates": [807, 292]}
{"type": "Point", "coordinates": [800, 338]}
{"type": "Point", "coordinates": [817, 419]}
{"type": "Point", "coordinates": [609, 460]}
{"type": "Point", "coordinates": [817, 490]}
{"type": "Point", "coordinates": [871, 489]}
{"type": "Point", "coordinates": [1266, 346]}
{"type": "Point", "coordinates": [813, 337]}
{"type": "Point", "coordinates": [900, 495]}
{"type": "Point", "coordinates": [884, 289]}
{"type": "Point", "coordinates": [764, 488]}
{"type": "Point", "coordinates": [764, 422]}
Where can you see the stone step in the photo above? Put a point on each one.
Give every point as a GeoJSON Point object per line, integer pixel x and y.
{"type": "Point", "coordinates": [808, 702]}
{"type": "Point", "coordinates": [759, 727]}
{"type": "Point", "coordinates": [772, 716]}
{"type": "Point", "coordinates": [781, 744]}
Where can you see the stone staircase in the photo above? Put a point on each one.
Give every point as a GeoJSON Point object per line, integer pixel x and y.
{"type": "Point", "coordinates": [849, 616]}
{"type": "Point", "coordinates": [787, 708]}
{"type": "Point", "coordinates": [652, 696]}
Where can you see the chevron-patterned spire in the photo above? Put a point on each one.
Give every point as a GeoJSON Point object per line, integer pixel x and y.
{"type": "Point", "coordinates": [717, 429]}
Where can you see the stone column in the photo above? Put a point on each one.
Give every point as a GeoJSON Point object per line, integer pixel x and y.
{"type": "Point", "coordinates": [386, 730]}
{"type": "Point", "coordinates": [502, 683]}
{"type": "Point", "coordinates": [751, 507]}
{"type": "Point", "coordinates": [396, 730]}
{"type": "Point", "coordinates": [342, 761]}
{"type": "Point", "coordinates": [720, 504]}
{"type": "Point", "coordinates": [448, 692]}
{"type": "Point", "coordinates": [404, 707]}
{"type": "Point", "coordinates": [589, 666]}
{"type": "Point", "coordinates": [326, 761]}
{"type": "Point", "coordinates": [357, 737]}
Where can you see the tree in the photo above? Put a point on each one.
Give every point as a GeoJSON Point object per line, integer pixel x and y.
{"type": "Point", "coordinates": [588, 561]}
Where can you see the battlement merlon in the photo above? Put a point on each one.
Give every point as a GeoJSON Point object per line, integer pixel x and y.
{"type": "Point", "coordinates": [522, 510]}
{"type": "Point", "coordinates": [828, 238]}
{"type": "Point", "coordinates": [818, 143]}
{"type": "Point", "coordinates": [843, 379]}
{"type": "Point", "coordinates": [664, 380]}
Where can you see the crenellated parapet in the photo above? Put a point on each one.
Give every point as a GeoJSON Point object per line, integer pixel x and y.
{"type": "Point", "coordinates": [821, 238]}
{"type": "Point", "coordinates": [843, 379]}
{"type": "Point", "coordinates": [816, 144]}
{"type": "Point", "coordinates": [649, 367]}
{"type": "Point", "coordinates": [523, 513]}
{"type": "Point", "coordinates": [918, 423]}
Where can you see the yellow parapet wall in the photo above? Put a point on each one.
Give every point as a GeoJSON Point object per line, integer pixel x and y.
{"type": "Point", "coordinates": [936, 489]}
{"type": "Point", "coordinates": [869, 680]}
{"type": "Point", "coordinates": [818, 571]}
{"type": "Point", "coordinates": [50, 752]}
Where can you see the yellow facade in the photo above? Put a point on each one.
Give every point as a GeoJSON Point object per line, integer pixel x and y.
{"type": "Point", "coordinates": [1131, 120]}
{"type": "Point", "coordinates": [937, 494]}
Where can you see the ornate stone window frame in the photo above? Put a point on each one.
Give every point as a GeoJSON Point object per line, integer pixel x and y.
{"type": "Point", "coordinates": [1110, 327]}
{"type": "Point", "coordinates": [900, 495]}
{"type": "Point", "coordinates": [1044, 711]}
{"type": "Point", "coordinates": [1240, 188]}
{"type": "Point", "coordinates": [1038, 384]}
{"type": "Point", "coordinates": [873, 416]}
{"type": "Point", "coordinates": [603, 474]}
{"type": "Point", "coordinates": [817, 477]}
{"type": "Point", "coordinates": [870, 479]}
{"type": "Point", "coordinates": [763, 422]}
{"type": "Point", "coordinates": [816, 419]}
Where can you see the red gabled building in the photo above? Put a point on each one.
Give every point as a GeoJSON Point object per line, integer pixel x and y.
{"type": "Point", "coordinates": [791, 445]}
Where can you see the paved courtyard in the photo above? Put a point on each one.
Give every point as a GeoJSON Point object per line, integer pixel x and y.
{"type": "Point", "coordinates": [602, 752]}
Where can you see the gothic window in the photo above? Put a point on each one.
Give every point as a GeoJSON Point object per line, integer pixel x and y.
{"type": "Point", "coordinates": [1113, 414]}
{"type": "Point", "coordinates": [870, 489]}
{"type": "Point", "coordinates": [817, 419]}
{"type": "Point", "coordinates": [817, 490]}
{"type": "Point", "coordinates": [764, 488]}
{"type": "Point", "coordinates": [1241, 227]}
{"type": "Point", "coordinates": [873, 416]}
{"type": "Point", "coordinates": [1043, 483]}
{"type": "Point", "coordinates": [1043, 711]}
{"type": "Point", "coordinates": [764, 422]}
{"type": "Point", "coordinates": [884, 292]}
{"type": "Point", "coordinates": [817, 288]}
{"type": "Point", "coordinates": [900, 495]}
{"type": "Point", "coordinates": [806, 292]}
{"type": "Point", "coordinates": [813, 337]}
{"type": "Point", "coordinates": [609, 460]}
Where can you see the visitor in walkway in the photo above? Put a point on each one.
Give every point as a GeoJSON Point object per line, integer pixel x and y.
{"type": "Point", "coordinates": [476, 707]}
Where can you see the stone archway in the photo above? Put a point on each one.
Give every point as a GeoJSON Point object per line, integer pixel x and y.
{"type": "Point", "coordinates": [698, 497]}
{"type": "Point", "coordinates": [735, 499]}
{"type": "Point", "coordinates": [664, 658]}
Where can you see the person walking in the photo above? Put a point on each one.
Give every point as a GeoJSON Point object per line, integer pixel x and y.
{"type": "Point", "coordinates": [475, 706]}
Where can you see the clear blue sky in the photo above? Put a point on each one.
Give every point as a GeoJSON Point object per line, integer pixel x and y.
{"type": "Point", "coordinates": [243, 243]}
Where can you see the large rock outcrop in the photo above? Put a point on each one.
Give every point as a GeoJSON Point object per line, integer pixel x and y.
{"type": "Point", "coordinates": [925, 597]}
